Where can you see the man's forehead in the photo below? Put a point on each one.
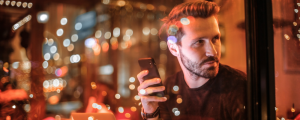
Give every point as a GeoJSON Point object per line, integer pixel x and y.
{"type": "Point", "coordinates": [198, 24]}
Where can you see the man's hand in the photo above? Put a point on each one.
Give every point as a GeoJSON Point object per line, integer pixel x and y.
{"type": "Point", "coordinates": [150, 103]}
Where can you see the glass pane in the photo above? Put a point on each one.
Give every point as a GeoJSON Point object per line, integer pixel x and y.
{"type": "Point", "coordinates": [287, 57]}
{"type": "Point", "coordinates": [61, 58]}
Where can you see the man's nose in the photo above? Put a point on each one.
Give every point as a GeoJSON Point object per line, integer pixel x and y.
{"type": "Point", "coordinates": [210, 49]}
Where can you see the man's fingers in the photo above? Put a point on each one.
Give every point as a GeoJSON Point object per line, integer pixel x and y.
{"type": "Point", "coordinates": [153, 99]}
{"type": "Point", "coordinates": [149, 82]}
{"type": "Point", "coordinates": [141, 75]}
{"type": "Point", "coordinates": [150, 90]}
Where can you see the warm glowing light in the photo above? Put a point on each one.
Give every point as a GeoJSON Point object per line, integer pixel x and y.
{"type": "Point", "coordinates": [45, 64]}
{"type": "Point", "coordinates": [287, 37]}
{"type": "Point", "coordinates": [15, 65]}
{"type": "Point", "coordinates": [98, 34]}
{"type": "Point", "coordinates": [93, 85]}
{"type": "Point", "coordinates": [116, 32]}
{"type": "Point", "coordinates": [154, 31]}
{"type": "Point", "coordinates": [146, 31]}
{"type": "Point", "coordinates": [60, 32]}
{"type": "Point", "coordinates": [114, 43]}
{"type": "Point", "coordinates": [121, 3]}
{"type": "Point", "coordinates": [30, 5]}
{"type": "Point", "coordinates": [75, 58]}
{"type": "Point", "coordinates": [129, 32]}
{"type": "Point", "coordinates": [91, 118]}
{"type": "Point", "coordinates": [66, 42]}
{"type": "Point", "coordinates": [104, 93]}
{"type": "Point", "coordinates": [175, 88]}
{"type": "Point", "coordinates": [47, 56]}
{"type": "Point", "coordinates": [177, 113]}
{"type": "Point", "coordinates": [105, 1]}
{"type": "Point", "coordinates": [121, 109]}
{"type": "Point", "coordinates": [174, 110]}
{"type": "Point", "coordinates": [24, 4]}
{"type": "Point", "coordinates": [131, 86]}
{"type": "Point", "coordinates": [70, 47]}
{"type": "Point", "coordinates": [133, 109]}
{"type": "Point", "coordinates": [53, 49]}
{"type": "Point", "coordinates": [142, 91]}
{"type": "Point", "coordinates": [27, 107]}
{"type": "Point", "coordinates": [50, 42]}
{"type": "Point", "coordinates": [7, 3]}
{"type": "Point", "coordinates": [127, 115]}
{"type": "Point", "coordinates": [19, 4]}
{"type": "Point", "coordinates": [126, 37]}
{"type": "Point", "coordinates": [150, 7]}
{"type": "Point", "coordinates": [14, 106]}
{"type": "Point", "coordinates": [117, 96]}
{"type": "Point", "coordinates": [46, 84]}
{"type": "Point", "coordinates": [179, 100]}
{"type": "Point", "coordinates": [97, 49]}
{"type": "Point", "coordinates": [131, 79]}
{"type": "Point", "coordinates": [163, 45]}
{"type": "Point", "coordinates": [107, 35]}
{"type": "Point", "coordinates": [105, 46]}
{"type": "Point", "coordinates": [137, 97]}
{"type": "Point", "coordinates": [78, 26]}
{"type": "Point", "coordinates": [56, 83]}
{"type": "Point", "coordinates": [63, 21]}
{"type": "Point", "coordinates": [74, 37]}
{"type": "Point", "coordinates": [124, 45]}
{"type": "Point", "coordinates": [31, 95]}
{"type": "Point", "coordinates": [293, 110]}
{"type": "Point", "coordinates": [13, 3]}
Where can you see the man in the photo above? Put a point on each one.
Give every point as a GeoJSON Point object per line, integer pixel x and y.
{"type": "Point", "coordinates": [204, 89]}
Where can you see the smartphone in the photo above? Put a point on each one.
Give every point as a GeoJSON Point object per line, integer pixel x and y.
{"type": "Point", "coordinates": [149, 64]}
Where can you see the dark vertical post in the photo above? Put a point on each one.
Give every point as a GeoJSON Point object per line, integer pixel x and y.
{"type": "Point", "coordinates": [37, 103]}
{"type": "Point", "coordinates": [260, 59]}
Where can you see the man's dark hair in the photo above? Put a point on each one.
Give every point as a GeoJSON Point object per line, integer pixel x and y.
{"type": "Point", "coordinates": [202, 9]}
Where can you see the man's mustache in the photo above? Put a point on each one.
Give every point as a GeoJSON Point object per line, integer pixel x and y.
{"type": "Point", "coordinates": [210, 59]}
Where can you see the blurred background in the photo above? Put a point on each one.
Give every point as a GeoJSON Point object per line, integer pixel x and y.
{"type": "Point", "coordinates": [81, 56]}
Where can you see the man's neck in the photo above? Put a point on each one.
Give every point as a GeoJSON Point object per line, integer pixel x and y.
{"type": "Point", "coordinates": [192, 80]}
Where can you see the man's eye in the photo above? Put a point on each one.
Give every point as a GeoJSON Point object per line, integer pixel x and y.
{"type": "Point", "coordinates": [215, 39]}
{"type": "Point", "coordinates": [200, 41]}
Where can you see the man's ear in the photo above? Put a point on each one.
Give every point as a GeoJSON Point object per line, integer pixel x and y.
{"type": "Point", "coordinates": [173, 47]}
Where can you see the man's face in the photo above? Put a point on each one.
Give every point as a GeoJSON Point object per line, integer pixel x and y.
{"type": "Point", "coordinates": [200, 49]}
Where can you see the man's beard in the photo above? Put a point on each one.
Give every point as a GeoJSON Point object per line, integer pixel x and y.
{"type": "Point", "coordinates": [195, 68]}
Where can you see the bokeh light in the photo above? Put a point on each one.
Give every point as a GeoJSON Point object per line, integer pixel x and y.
{"type": "Point", "coordinates": [154, 31]}
{"type": "Point", "coordinates": [47, 56]}
{"type": "Point", "coordinates": [131, 86]}
{"type": "Point", "coordinates": [137, 97]}
{"type": "Point", "coordinates": [46, 84]}
{"type": "Point", "coordinates": [121, 3]}
{"type": "Point", "coordinates": [175, 88]}
{"type": "Point", "coordinates": [66, 42]}
{"type": "Point", "coordinates": [105, 46]}
{"type": "Point", "coordinates": [117, 96]}
{"type": "Point", "coordinates": [105, 1]}
{"type": "Point", "coordinates": [53, 49]}
{"type": "Point", "coordinates": [146, 31]}
{"type": "Point", "coordinates": [131, 79]}
{"type": "Point", "coordinates": [70, 47]}
{"type": "Point", "coordinates": [185, 21]}
{"type": "Point", "coordinates": [121, 109]}
{"type": "Point", "coordinates": [107, 35]}
{"type": "Point", "coordinates": [63, 21]}
{"type": "Point", "coordinates": [163, 45]}
{"type": "Point", "coordinates": [78, 26]}
{"type": "Point", "coordinates": [179, 100]}
{"type": "Point", "coordinates": [45, 64]}
{"type": "Point", "coordinates": [129, 32]}
{"type": "Point", "coordinates": [133, 109]}
{"type": "Point", "coordinates": [60, 32]}
{"type": "Point", "coordinates": [74, 37]}
{"type": "Point", "coordinates": [98, 34]}
{"type": "Point", "coordinates": [90, 42]}
{"type": "Point", "coordinates": [15, 65]}
{"type": "Point", "coordinates": [126, 37]}
{"type": "Point", "coordinates": [127, 115]}
{"type": "Point", "coordinates": [142, 91]}
{"type": "Point", "coordinates": [116, 32]}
